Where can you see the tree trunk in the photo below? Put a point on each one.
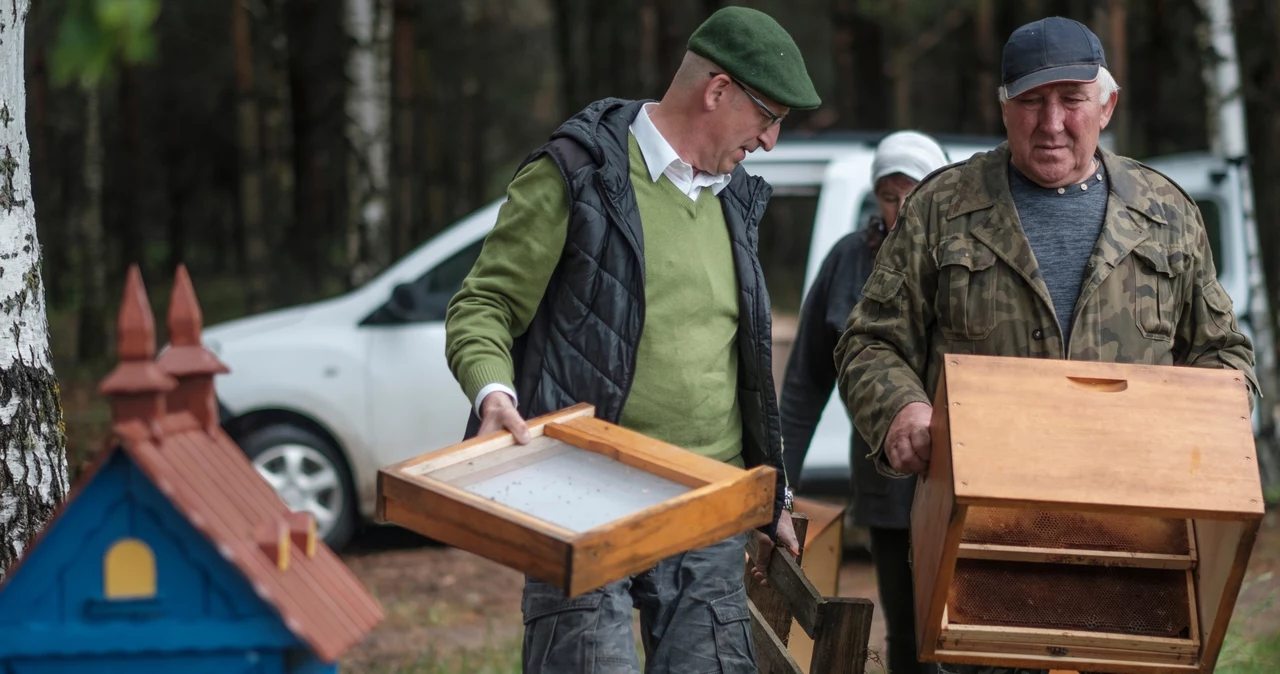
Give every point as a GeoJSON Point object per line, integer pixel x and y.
{"type": "Point", "coordinates": [672, 38]}
{"type": "Point", "coordinates": [402, 149]}
{"type": "Point", "coordinates": [569, 92]}
{"type": "Point", "coordinates": [1118, 64]}
{"type": "Point", "coordinates": [368, 23]}
{"type": "Point", "coordinates": [1228, 139]}
{"type": "Point", "coordinates": [92, 344]}
{"type": "Point", "coordinates": [315, 105]}
{"type": "Point", "coordinates": [280, 172]}
{"type": "Point", "coordinates": [900, 69]}
{"type": "Point", "coordinates": [249, 157]}
{"type": "Point", "coordinates": [843, 48]}
{"type": "Point", "coordinates": [984, 21]}
{"type": "Point", "coordinates": [33, 460]}
{"type": "Point", "coordinates": [128, 221]}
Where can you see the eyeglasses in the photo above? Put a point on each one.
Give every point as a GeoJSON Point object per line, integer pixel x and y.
{"type": "Point", "coordinates": [773, 117]}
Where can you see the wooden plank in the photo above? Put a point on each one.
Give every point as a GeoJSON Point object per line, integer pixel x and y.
{"type": "Point", "coordinates": [1191, 541]}
{"type": "Point", "coordinates": [1224, 555]}
{"type": "Point", "coordinates": [496, 461]}
{"type": "Point", "coordinates": [1014, 553]}
{"type": "Point", "coordinates": [771, 655]}
{"type": "Point", "coordinates": [937, 525]}
{"type": "Point", "coordinates": [790, 583]}
{"type": "Point", "coordinates": [1000, 659]}
{"type": "Point", "coordinates": [482, 444]}
{"type": "Point", "coordinates": [1183, 430]}
{"type": "Point", "coordinates": [635, 449]}
{"type": "Point", "coordinates": [1058, 650]}
{"type": "Point", "coordinates": [483, 528]}
{"type": "Point", "coordinates": [771, 604]}
{"type": "Point", "coordinates": [1193, 605]}
{"type": "Point", "coordinates": [699, 518]}
{"type": "Point", "coordinates": [842, 641]}
{"type": "Point", "coordinates": [425, 492]}
{"type": "Point", "coordinates": [823, 552]}
{"type": "Point", "coordinates": [957, 634]}
{"type": "Point", "coordinates": [538, 557]}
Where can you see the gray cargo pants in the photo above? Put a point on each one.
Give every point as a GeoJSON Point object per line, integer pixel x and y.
{"type": "Point", "coordinates": [693, 620]}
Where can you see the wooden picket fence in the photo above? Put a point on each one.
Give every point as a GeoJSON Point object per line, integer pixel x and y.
{"type": "Point", "coordinates": [840, 627]}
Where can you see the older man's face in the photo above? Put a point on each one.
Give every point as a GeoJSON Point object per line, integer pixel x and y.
{"type": "Point", "coordinates": [1053, 131]}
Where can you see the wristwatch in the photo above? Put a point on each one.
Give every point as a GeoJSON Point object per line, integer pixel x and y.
{"type": "Point", "coordinates": [788, 499]}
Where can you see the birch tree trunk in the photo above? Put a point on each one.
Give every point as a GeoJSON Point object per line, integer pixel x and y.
{"type": "Point", "coordinates": [33, 461]}
{"type": "Point", "coordinates": [368, 134]}
{"type": "Point", "coordinates": [1227, 139]}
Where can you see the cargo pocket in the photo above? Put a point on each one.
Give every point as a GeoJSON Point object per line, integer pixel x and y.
{"type": "Point", "coordinates": [1156, 288]}
{"type": "Point", "coordinates": [559, 634]}
{"type": "Point", "coordinates": [967, 285]}
{"type": "Point", "coordinates": [732, 629]}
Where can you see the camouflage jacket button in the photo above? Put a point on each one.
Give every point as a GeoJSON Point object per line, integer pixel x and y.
{"type": "Point", "coordinates": [1037, 334]}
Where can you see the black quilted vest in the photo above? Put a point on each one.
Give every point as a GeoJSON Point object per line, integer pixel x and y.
{"type": "Point", "coordinates": [582, 343]}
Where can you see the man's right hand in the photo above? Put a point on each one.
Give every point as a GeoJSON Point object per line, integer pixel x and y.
{"type": "Point", "coordinates": [908, 444]}
{"type": "Point", "coordinates": [498, 412]}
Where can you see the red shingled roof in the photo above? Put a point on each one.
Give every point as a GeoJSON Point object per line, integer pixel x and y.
{"type": "Point", "coordinates": [164, 418]}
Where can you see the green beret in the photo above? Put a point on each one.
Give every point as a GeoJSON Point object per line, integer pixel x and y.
{"type": "Point", "coordinates": [753, 48]}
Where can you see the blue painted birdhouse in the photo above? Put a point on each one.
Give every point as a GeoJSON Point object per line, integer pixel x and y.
{"type": "Point", "coordinates": [172, 554]}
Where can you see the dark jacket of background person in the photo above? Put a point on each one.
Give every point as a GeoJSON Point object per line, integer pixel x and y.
{"type": "Point", "coordinates": [878, 501]}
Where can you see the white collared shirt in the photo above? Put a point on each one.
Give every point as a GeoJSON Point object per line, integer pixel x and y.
{"type": "Point", "coordinates": [660, 158]}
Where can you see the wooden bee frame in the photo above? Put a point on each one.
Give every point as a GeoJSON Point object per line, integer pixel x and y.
{"type": "Point", "coordinates": [584, 504]}
{"type": "Point", "coordinates": [1088, 516]}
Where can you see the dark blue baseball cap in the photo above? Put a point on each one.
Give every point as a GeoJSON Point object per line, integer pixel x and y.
{"type": "Point", "coordinates": [1053, 49]}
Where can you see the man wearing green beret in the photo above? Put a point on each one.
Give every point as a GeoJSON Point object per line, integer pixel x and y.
{"type": "Point", "coordinates": [623, 272]}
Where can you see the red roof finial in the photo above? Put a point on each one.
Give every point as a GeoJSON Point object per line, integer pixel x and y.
{"type": "Point", "coordinates": [185, 318]}
{"type": "Point", "coordinates": [137, 387]}
{"type": "Point", "coordinates": [187, 359]}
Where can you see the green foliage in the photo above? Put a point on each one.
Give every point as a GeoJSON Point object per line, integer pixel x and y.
{"type": "Point", "coordinates": [1244, 655]}
{"type": "Point", "coordinates": [94, 34]}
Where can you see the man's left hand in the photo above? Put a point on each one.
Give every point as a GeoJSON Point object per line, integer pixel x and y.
{"type": "Point", "coordinates": [764, 546]}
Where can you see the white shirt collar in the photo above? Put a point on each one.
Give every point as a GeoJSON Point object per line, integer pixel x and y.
{"type": "Point", "coordinates": [660, 157]}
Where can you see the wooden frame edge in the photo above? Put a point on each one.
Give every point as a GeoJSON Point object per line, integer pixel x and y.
{"type": "Point", "coordinates": [759, 480]}
{"type": "Point", "coordinates": [490, 440]}
{"type": "Point", "coordinates": [403, 488]}
{"type": "Point", "coordinates": [1053, 662]}
{"type": "Point", "coordinates": [1108, 509]}
{"type": "Point", "coordinates": [1027, 554]}
{"type": "Point", "coordinates": [1212, 647]}
{"type": "Point", "coordinates": [641, 451]}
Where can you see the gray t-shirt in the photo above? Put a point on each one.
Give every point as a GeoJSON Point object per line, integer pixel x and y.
{"type": "Point", "coordinates": [1062, 225]}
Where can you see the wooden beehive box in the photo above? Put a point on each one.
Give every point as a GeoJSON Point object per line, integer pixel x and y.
{"type": "Point", "coordinates": [585, 503]}
{"type": "Point", "coordinates": [1086, 516]}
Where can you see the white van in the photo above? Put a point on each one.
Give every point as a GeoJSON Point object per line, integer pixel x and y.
{"type": "Point", "coordinates": [321, 396]}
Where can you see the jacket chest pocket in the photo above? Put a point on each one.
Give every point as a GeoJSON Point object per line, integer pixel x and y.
{"type": "Point", "coordinates": [1157, 274]}
{"type": "Point", "coordinates": [968, 279]}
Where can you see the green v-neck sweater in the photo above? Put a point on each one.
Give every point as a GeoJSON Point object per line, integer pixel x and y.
{"type": "Point", "coordinates": [686, 378]}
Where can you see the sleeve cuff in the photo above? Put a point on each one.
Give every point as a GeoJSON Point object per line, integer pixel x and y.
{"type": "Point", "coordinates": [491, 388]}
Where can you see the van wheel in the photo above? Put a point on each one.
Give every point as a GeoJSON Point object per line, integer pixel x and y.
{"type": "Point", "coordinates": [308, 474]}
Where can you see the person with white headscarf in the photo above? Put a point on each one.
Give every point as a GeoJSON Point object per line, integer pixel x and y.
{"type": "Point", "coordinates": [881, 504]}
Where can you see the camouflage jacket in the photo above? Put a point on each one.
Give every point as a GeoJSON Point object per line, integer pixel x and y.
{"type": "Point", "coordinates": [957, 275]}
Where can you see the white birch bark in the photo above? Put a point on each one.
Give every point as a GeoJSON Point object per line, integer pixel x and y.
{"type": "Point", "coordinates": [368, 106]}
{"type": "Point", "coordinates": [33, 462]}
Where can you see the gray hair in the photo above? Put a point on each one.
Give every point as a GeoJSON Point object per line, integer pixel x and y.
{"type": "Point", "coordinates": [1106, 84]}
